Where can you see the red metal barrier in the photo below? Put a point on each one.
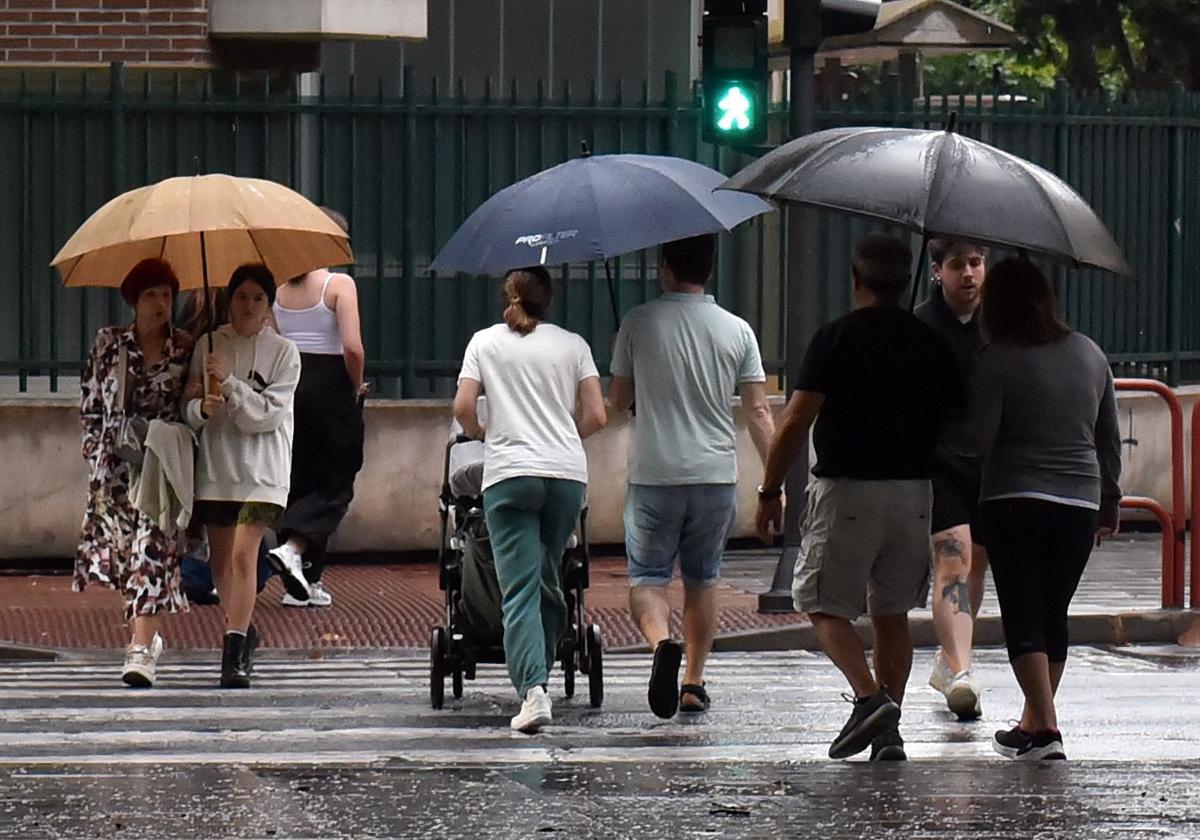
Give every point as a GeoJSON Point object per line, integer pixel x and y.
{"type": "Point", "coordinates": [1168, 543]}
{"type": "Point", "coordinates": [1174, 572]}
{"type": "Point", "coordinates": [1195, 535]}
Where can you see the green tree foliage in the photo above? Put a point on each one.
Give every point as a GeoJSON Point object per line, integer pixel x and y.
{"type": "Point", "coordinates": [1094, 44]}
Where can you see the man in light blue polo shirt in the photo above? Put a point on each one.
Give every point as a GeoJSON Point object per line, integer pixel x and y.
{"type": "Point", "coordinates": [682, 357]}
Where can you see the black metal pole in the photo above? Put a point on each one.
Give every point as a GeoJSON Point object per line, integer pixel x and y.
{"type": "Point", "coordinates": [803, 316]}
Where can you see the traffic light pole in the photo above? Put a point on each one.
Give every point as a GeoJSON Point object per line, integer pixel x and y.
{"type": "Point", "coordinates": [803, 303]}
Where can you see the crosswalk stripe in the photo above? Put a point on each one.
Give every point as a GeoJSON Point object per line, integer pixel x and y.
{"type": "Point", "coordinates": [345, 711]}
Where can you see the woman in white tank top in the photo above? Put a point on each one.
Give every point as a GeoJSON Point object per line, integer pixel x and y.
{"type": "Point", "coordinates": [319, 312]}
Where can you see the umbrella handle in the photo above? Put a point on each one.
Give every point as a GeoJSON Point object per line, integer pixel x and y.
{"type": "Point", "coordinates": [918, 272]}
{"type": "Point", "coordinates": [612, 295]}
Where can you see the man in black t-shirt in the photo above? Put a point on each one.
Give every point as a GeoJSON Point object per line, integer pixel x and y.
{"type": "Point", "coordinates": [880, 385]}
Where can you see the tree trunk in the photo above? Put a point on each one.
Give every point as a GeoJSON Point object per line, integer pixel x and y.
{"type": "Point", "coordinates": [1077, 26]}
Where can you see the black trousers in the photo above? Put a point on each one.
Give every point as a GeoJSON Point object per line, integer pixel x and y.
{"type": "Point", "coordinates": [327, 453]}
{"type": "Point", "coordinates": [1038, 550]}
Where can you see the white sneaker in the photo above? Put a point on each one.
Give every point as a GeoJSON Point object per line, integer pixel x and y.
{"type": "Point", "coordinates": [963, 696]}
{"type": "Point", "coordinates": [535, 711]}
{"type": "Point", "coordinates": [287, 562]}
{"type": "Point", "coordinates": [318, 596]}
{"type": "Point", "coordinates": [941, 675]}
{"type": "Point", "coordinates": [141, 663]}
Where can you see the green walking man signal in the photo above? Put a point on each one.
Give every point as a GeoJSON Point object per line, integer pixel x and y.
{"type": "Point", "coordinates": [737, 111]}
{"type": "Point", "coordinates": [735, 76]}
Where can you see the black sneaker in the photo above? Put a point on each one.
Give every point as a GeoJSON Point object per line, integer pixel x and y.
{"type": "Point", "coordinates": [888, 746]}
{"type": "Point", "coordinates": [1009, 742]}
{"type": "Point", "coordinates": [870, 717]}
{"type": "Point", "coordinates": [1020, 745]}
{"type": "Point", "coordinates": [1042, 746]}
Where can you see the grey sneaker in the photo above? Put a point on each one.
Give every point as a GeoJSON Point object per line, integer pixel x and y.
{"type": "Point", "coordinates": [141, 663]}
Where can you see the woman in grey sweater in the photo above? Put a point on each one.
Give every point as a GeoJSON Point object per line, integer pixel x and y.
{"type": "Point", "coordinates": [1045, 414]}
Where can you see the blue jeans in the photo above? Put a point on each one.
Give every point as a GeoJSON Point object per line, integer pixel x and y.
{"type": "Point", "coordinates": [530, 520]}
{"type": "Point", "coordinates": [689, 521]}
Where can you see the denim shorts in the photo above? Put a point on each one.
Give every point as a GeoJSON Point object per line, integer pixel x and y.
{"type": "Point", "coordinates": [688, 521]}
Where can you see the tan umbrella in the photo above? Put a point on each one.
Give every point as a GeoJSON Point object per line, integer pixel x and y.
{"type": "Point", "coordinates": [205, 226]}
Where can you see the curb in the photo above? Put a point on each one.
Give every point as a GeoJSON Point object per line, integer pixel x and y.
{"type": "Point", "coordinates": [12, 652]}
{"type": "Point", "coordinates": [1148, 627]}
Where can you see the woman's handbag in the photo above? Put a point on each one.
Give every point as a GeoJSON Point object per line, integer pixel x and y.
{"type": "Point", "coordinates": [130, 440]}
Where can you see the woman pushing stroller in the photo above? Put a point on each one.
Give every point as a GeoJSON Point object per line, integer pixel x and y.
{"type": "Point", "coordinates": [544, 397]}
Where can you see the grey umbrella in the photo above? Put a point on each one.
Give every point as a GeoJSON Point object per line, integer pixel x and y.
{"type": "Point", "coordinates": [594, 208]}
{"type": "Point", "coordinates": [939, 184]}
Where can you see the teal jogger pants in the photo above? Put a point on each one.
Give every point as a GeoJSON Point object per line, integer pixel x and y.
{"type": "Point", "coordinates": [530, 520]}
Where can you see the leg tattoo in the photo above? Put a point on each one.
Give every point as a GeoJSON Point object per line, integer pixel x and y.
{"type": "Point", "coordinates": [959, 594]}
{"type": "Point", "coordinates": [950, 547]}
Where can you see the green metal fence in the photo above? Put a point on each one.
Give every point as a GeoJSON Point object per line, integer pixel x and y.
{"type": "Point", "coordinates": [407, 170]}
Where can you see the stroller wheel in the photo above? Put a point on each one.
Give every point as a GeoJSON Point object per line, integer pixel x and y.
{"type": "Point", "coordinates": [437, 667]}
{"type": "Point", "coordinates": [569, 677]}
{"type": "Point", "coordinates": [595, 655]}
{"type": "Point", "coordinates": [457, 683]}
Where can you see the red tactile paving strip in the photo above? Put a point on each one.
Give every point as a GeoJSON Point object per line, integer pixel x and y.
{"type": "Point", "coordinates": [375, 606]}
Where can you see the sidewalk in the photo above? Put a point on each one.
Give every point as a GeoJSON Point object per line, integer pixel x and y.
{"type": "Point", "coordinates": [387, 606]}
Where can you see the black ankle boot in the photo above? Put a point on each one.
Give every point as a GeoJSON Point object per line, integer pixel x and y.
{"type": "Point", "coordinates": [233, 662]}
{"type": "Point", "coordinates": [252, 640]}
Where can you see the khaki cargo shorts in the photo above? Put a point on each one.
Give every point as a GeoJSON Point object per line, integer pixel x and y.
{"type": "Point", "coordinates": [866, 544]}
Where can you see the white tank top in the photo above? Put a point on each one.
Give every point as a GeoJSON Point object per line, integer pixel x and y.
{"type": "Point", "coordinates": [315, 329]}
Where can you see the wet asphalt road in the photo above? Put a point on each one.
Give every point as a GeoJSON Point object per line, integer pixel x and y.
{"type": "Point", "coordinates": [348, 747]}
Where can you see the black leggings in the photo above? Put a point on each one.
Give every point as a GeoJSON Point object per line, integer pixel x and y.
{"type": "Point", "coordinates": [1038, 551]}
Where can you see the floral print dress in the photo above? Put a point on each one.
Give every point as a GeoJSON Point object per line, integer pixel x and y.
{"type": "Point", "coordinates": [119, 546]}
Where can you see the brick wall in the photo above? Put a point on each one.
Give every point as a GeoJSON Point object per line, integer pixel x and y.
{"type": "Point", "coordinates": [159, 32]}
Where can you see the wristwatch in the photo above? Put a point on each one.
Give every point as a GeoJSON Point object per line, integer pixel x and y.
{"type": "Point", "coordinates": [765, 495]}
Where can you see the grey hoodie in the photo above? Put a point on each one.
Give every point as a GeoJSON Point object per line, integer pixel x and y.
{"type": "Point", "coordinates": [246, 451]}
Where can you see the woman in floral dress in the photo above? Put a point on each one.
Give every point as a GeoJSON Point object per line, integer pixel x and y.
{"type": "Point", "coordinates": [120, 547]}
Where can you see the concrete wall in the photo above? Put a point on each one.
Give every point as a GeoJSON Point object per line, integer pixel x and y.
{"type": "Point", "coordinates": [42, 478]}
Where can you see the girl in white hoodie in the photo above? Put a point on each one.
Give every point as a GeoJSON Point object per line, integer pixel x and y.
{"type": "Point", "coordinates": [243, 467]}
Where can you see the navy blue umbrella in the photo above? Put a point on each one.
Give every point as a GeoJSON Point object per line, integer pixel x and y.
{"type": "Point", "coordinates": [594, 208]}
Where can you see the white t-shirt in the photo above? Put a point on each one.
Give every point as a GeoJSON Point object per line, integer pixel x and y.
{"type": "Point", "coordinates": [531, 384]}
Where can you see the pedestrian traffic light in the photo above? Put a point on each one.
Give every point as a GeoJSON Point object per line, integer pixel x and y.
{"type": "Point", "coordinates": [806, 23]}
{"type": "Point", "coordinates": [735, 76]}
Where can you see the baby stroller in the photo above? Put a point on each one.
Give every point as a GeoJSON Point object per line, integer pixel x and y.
{"type": "Point", "coordinates": [473, 632]}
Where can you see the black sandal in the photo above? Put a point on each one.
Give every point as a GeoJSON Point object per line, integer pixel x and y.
{"type": "Point", "coordinates": [695, 691]}
{"type": "Point", "coordinates": [664, 677]}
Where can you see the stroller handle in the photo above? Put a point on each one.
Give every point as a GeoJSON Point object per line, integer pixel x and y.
{"type": "Point", "coordinates": [457, 440]}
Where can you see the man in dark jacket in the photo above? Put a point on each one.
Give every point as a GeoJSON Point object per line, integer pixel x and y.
{"type": "Point", "coordinates": [959, 560]}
